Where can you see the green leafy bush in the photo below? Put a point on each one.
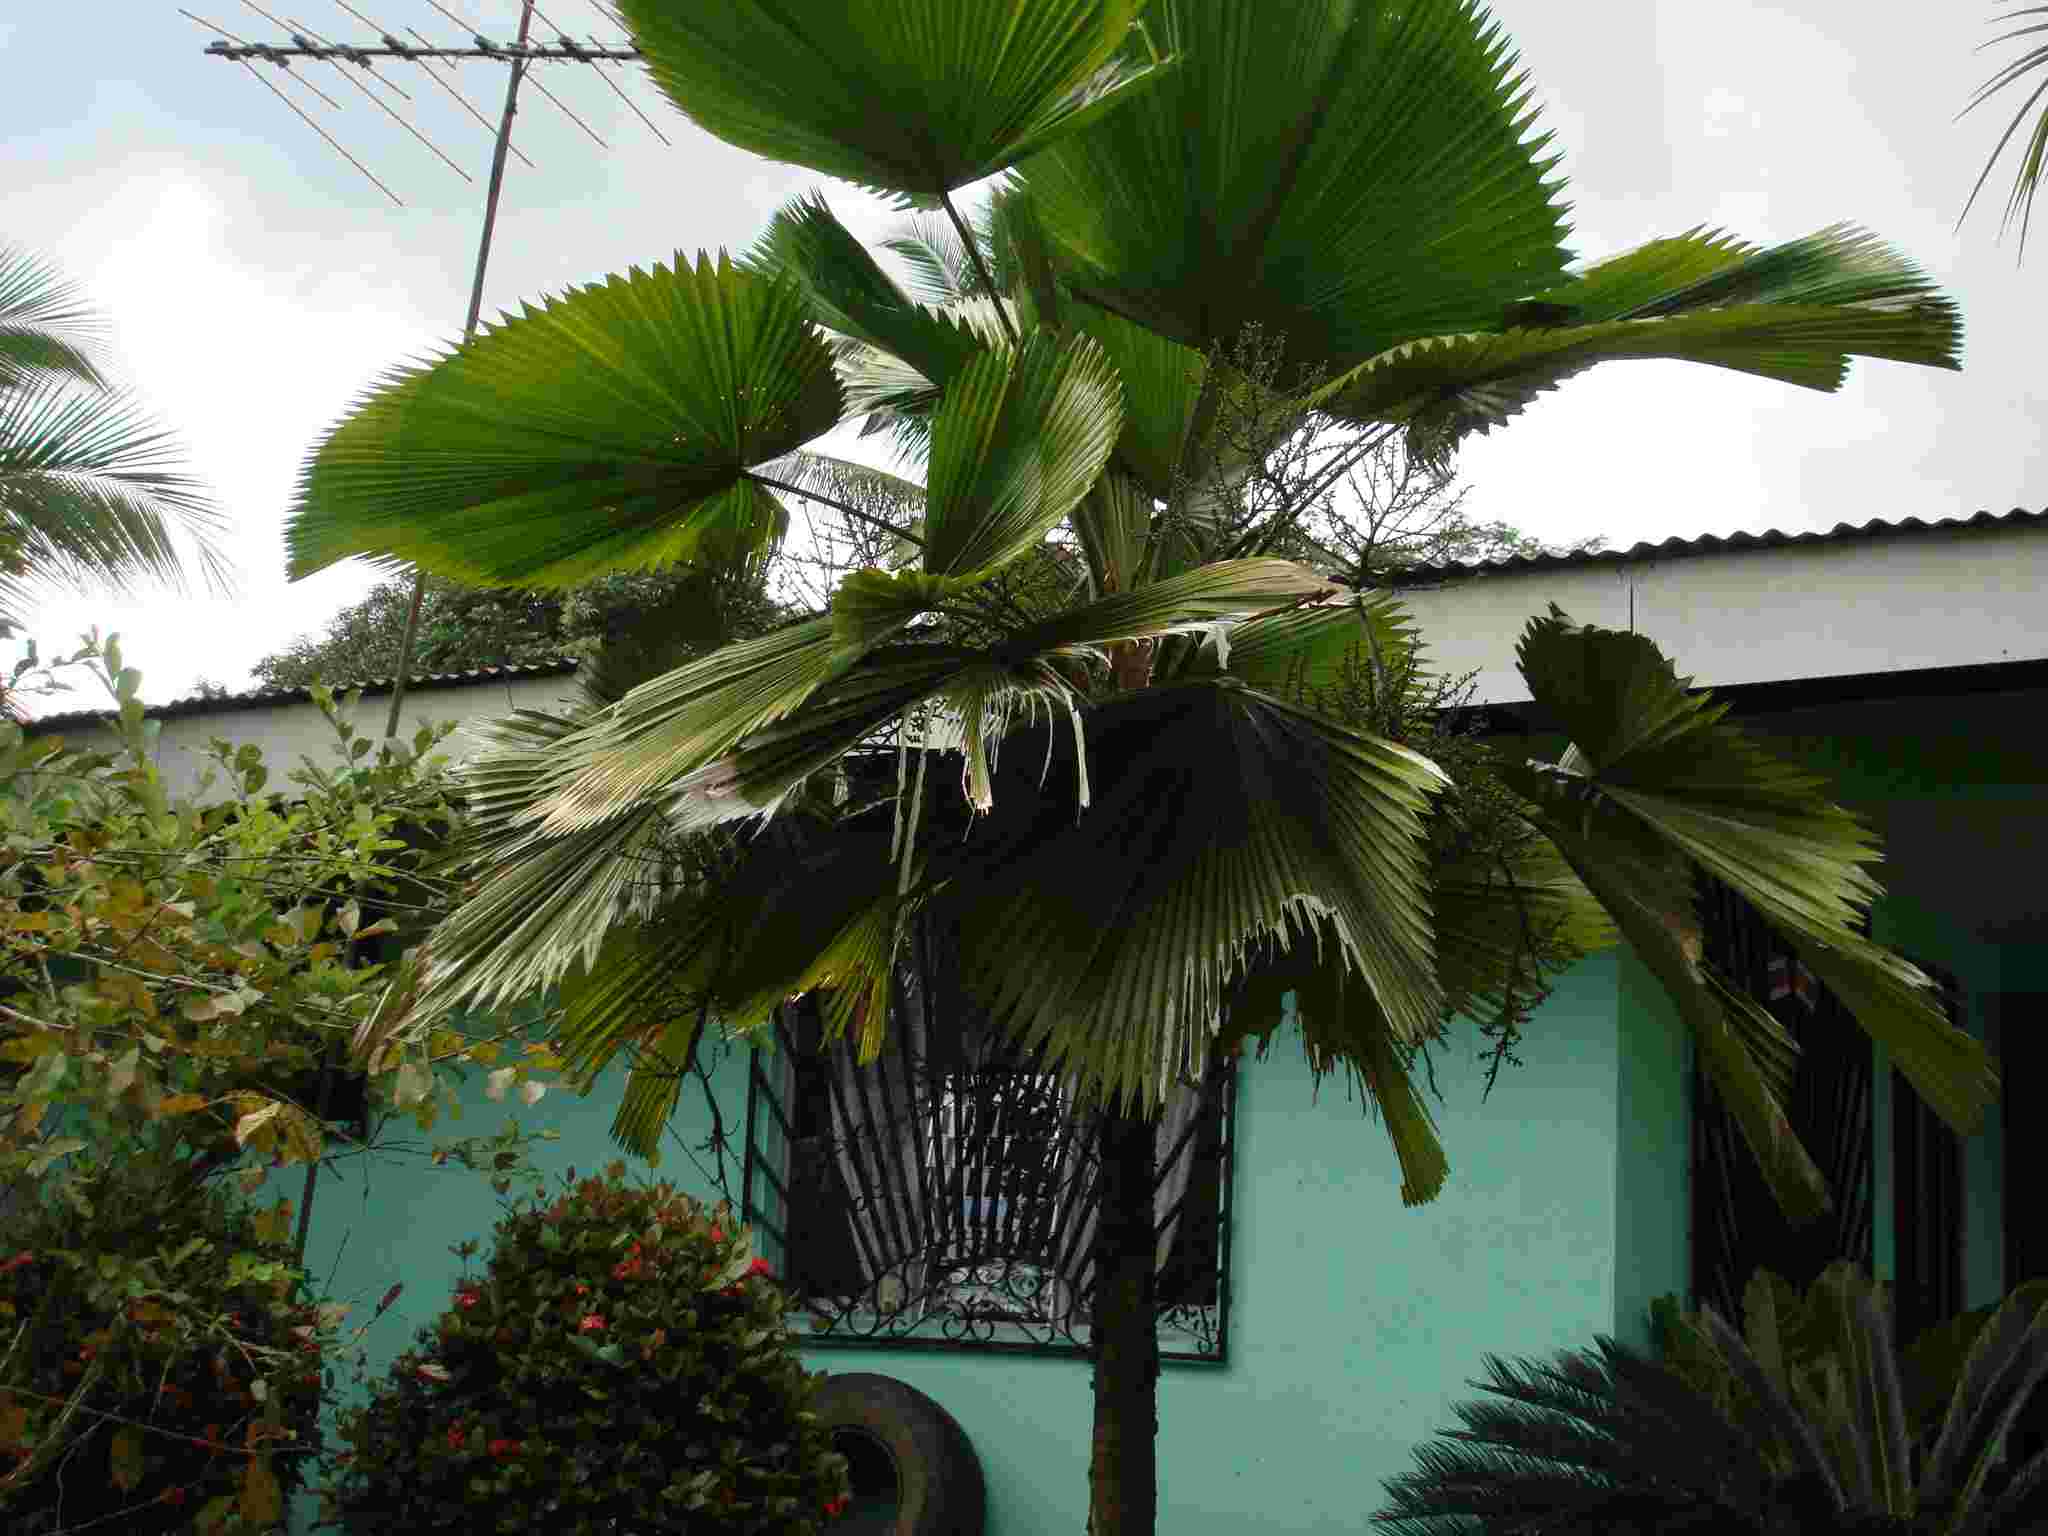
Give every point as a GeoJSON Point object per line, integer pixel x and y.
{"type": "Point", "coordinates": [160, 1367]}
{"type": "Point", "coordinates": [624, 1359]}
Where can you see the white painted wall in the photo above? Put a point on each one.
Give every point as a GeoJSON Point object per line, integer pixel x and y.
{"type": "Point", "coordinates": [289, 732]}
{"type": "Point", "coordinates": [1957, 597]}
{"type": "Point", "coordinates": [1951, 598]}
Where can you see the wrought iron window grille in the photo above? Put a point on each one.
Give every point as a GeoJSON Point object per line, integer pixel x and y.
{"type": "Point", "coordinates": [945, 1196]}
{"type": "Point", "coordinates": [1737, 1226]}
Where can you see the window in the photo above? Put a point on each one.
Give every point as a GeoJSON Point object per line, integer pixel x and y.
{"type": "Point", "coordinates": [944, 1195]}
{"type": "Point", "coordinates": [1737, 1227]}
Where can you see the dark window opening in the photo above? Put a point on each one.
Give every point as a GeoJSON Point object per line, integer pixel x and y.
{"type": "Point", "coordinates": [946, 1196]}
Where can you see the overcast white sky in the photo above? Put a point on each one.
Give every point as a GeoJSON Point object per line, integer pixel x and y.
{"type": "Point", "coordinates": [257, 283]}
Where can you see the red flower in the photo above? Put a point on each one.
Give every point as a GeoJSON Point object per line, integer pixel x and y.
{"type": "Point", "coordinates": [717, 1236]}
{"type": "Point", "coordinates": [591, 1324]}
{"type": "Point", "coordinates": [467, 1299]}
{"type": "Point", "coordinates": [761, 1267]}
{"type": "Point", "coordinates": [503, 1448]}
{"type": "Point", "coordinates": [455, 1437]}
{"type": "Point", "coordinates": [834, 1508]}
{"type": "Point", "coordinates": [582, 1290]}
{"type": "Point", "coordinates": [24, 1257]}
{"type": "Point", "coordinates": [626, 1269]}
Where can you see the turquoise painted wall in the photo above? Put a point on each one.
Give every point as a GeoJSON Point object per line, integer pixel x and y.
{"type": "Point", "coordinates": [1355, 1323]}
{"type": "Point", "coordinates": [1652, 1170]}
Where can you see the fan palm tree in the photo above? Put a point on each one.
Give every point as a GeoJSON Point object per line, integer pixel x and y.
{"type": "Point", "coordinates": [1607, 1441]}
{"type": "Point", "coordinates": [90, 489]}
{"type": "Point", "coordinates": [1187, 821]}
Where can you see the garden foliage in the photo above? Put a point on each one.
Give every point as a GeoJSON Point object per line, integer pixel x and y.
{"type": "Point", "coordinates": [623, 1357]}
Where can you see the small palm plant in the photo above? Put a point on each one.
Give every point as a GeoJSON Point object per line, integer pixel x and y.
{"type": "Point", "coordinates": [1766, 1439]}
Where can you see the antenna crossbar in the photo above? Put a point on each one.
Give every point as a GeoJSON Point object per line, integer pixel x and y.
{"type": "Point", "coordinates": [391, 48]}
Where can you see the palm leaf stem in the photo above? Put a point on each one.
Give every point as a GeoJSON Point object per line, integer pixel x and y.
{"type": "Point", "coordinates": [836, 505]}
{"type": "Point", "coordinates": [981, 271]}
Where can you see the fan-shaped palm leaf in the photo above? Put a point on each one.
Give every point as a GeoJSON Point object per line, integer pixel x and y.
{"type": "Point", "coordinates": [1657, 782]}
{"type": "Point", "coordinates": [1299, 818]}
{"type": "Point", "coordinates": [850, 293]}
{"type": "Point", "coordinates": [1347, 174]}
{"type": "Point", "coordinates": [1796, 313]}
{"type": "Point", "coordinates": [913, 96]}
{"type": "Point", "coordinates": [1017, 441]}
{"type": "Point", "coordinates": [609, 429]}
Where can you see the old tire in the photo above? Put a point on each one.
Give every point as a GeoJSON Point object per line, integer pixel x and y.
{"type": "Point", "coordinates": [886, 1427]}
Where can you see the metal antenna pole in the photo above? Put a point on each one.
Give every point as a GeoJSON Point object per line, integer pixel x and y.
{"type": "Point", "coordinates": [476, 306]}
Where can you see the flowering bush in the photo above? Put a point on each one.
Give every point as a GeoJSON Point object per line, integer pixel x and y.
{"type": "Point", "coordinates": [622, 1359]}
{"type": "Point", "coordinates": [162, 1368]}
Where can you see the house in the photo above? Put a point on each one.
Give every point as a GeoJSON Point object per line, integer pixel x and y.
{"type": "Point", "coordinates": [1320, 1330]}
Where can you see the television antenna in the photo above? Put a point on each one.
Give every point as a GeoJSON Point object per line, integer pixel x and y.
{"type": "Point", "coordinates": [359, 64]}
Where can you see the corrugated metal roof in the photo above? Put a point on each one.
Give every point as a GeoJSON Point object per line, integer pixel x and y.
{"type": "Point", "coordinates": [266, 698]}
{"type": "Point", "coordinates": [1710, 544]}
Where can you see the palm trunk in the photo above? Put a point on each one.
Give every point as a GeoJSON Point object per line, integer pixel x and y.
{"type": "Point", "coordinates": [1123, 1484]}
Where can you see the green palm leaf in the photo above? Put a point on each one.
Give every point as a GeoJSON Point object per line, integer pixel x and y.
{"type": "Point", "coordinates": [672, 724]}
{"type": "Point", "coordinates": [46, 327]}
{"type": "Point", "coordinates": [1298, 817]}
{"type": "Point", "coordinates": [850, 293]}
{"type": "Point", "coordinates": [2026, 181]}
{"type": "Point", "coordinates": [91, 490]}
{"type": "Point", "coordinates": [1017, 441]}
{"type": "Point", "coordinates": [1308, 649]}
{"type": "Point", "coordinates": [1658, 783]}
{"type": "Point", "coordinates": [1346, 174]}
{"type": "Point", "coordinates": [1113, 524]}
{"type": "Point", "coordinates": [1162, 383]}
{"type": "Point", "coordinates": [914, 96]}
{"type": "Point", "coordinates": [1795, 313]}
{"type": "Point", "coordinates": [1344, 1028]}
{"type": "Point", "coordinates": [1203, 599]}
{"type": "Point", "coordinates": [609, 429]}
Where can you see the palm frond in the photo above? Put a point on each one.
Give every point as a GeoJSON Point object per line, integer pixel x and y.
{"type": "Point", "coordinates": [609, 429]}
{"type": "Point", "coordinates": [2019, 203]}
{"type": "Point", "coordinates": [1017, 441]}
{"type": "Point", "coordinates": [46, 326]}
{"type": "Point", "coordinates": [1795, 313]}
{"type": "Point", "coordinates": [1659, 783]}
{"type": "Point", "coordinates": [1300, 818]}
{"type": "Point", "coordinates": [911, 96]}
{"type": "Point", "coordinates": [1343, 174]}
{"type": "Point", "coordinates": [850, 294]}
{"type": "Point", "coordinates": [92, 490]}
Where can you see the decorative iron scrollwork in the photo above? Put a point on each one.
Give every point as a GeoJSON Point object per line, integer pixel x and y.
{"type": "Point", "coordinates": [945, 1195]}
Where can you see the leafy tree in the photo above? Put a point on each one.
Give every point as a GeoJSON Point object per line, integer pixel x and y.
{"type": "Point", "coordinates": [90, 489]}
{"type": "Point", "coordinates": [180, 982]}
{"type": "Point", "coordinates": [462, 627]}
{"type": "Point", "coordinates": [1278, 217]}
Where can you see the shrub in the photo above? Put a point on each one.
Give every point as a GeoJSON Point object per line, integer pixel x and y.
{"type": "Point", "coordinates": [624, 1359]}
{"type": "Point", "coordinates": [148, 1338]}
